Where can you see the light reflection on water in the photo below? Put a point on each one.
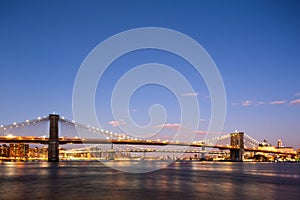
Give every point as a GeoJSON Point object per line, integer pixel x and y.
{"type": "Point", "coordinates": [180, 180]}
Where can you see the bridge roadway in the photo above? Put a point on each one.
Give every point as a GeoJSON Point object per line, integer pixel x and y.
{"type": "Point", "coordinates": [62, 141]}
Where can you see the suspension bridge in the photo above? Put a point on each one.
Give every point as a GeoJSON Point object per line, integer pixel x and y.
{"type": "Point", "coordinates": [48, 130]}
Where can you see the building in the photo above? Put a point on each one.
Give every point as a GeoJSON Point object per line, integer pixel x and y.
{"type": "Point", "coordinates": [19, 150]}
{"type": "Point", "coordinates": [4, 151]}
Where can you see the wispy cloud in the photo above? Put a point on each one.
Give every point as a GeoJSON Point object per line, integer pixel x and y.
{"type": "Point", "coordinates": [206, 132]}
{"type": "Point", "coordinates": [116, 123]}
{"type": "Point", "coordinates": [202, 120]}
{"type": "Point", "coordinates": [247, 103]}
{"type": "Point", "coordinates": [296, 101]}
{"type": "Point", "coordinates": [174, 126]}
{"type": "Point", "coordinates": [297, 94]}
{"type": "Point", "coordinates": [260, 103]}
{"type": "Point", "coordinates": [190, 94]}
{"type": "Point", "coordinates": [277, 102]}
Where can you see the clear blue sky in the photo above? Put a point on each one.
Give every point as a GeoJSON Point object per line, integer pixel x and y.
{"type": "Point", "coordinates": [255, 44]}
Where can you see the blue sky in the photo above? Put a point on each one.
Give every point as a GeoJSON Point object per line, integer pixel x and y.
{"type": "Point", "coordinates": [255, 44]}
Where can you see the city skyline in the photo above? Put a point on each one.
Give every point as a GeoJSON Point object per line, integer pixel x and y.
{"type": "Point", "coordinates": [255, 45]}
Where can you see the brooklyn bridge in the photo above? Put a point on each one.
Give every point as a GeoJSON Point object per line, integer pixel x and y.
{"type": "Point", "coordinates": [50, 131]}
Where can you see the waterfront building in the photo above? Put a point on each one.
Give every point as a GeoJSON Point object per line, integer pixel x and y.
{"type": "Point", "coordinates": [19, 150]}
{"type": "Point", "coordinates": [4, 151]}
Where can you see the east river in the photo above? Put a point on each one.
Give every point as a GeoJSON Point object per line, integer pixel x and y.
{"type": "Point", "coordinates": [180, 180]}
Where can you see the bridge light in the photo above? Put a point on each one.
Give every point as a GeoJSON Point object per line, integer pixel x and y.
{"type": "Point", "coordinates": [39, 118]}
{"type": "Point", "coordinates": [27, 121]}
{"type": "Point", "coordinates": [15, 123]}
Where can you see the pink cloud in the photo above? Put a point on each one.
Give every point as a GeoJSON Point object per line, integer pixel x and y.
{"type": "Point", "coordinates": [174, 126]}
{"type": "Point", "coordinates": [116, 123]}
{"type": "Point", "coordinates": [278, 102]}
{"type": "Point", "coordinates": [199, 132]}
{"type": "Point", "coordinates": [247, 103]}
{"type": "Point", "coordinates": [190, 94]}
{"type": "Point", "coordinates": [261, 103]}
{"type": "Point", "coordinates": [296, 101]}
{"type": "Point", "coordinates": [202, 120]}
{"type": "Point", "coordinates": [206, 132]}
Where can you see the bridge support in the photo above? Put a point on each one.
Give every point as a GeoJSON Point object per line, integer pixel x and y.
{"type": "Point", "coordinates": [53, 152]}
{"type": "Point", "coordinates": [237, 140]}
{"type": "Point", "coordinates": [203, 153]}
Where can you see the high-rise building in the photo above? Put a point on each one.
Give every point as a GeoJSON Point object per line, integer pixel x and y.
{"type": "Point", "coordinates": [18, 150]}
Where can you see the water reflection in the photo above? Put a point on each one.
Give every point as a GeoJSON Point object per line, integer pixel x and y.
{"type": "Point", "coordinates": [180, 180]}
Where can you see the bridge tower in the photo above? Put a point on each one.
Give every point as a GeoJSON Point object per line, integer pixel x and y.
{"type": "Point", "coordinates": [203, 153]}
{"type": "Point", "coordinates": [53, 152]}
{"type": "Point", "coordinates": [237, 140]}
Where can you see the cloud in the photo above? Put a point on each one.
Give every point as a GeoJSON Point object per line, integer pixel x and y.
{"type": "Point", "coordinates": [174, 126]}
{"type": "Point", "coordinates": [194, 94]}
{"type": "Point", "coordinates": [296, 101]}
{"type": "Point", "coordinates": [278, 102]}
{"type": "Point", "coordinates": [206, 132]}
{"type": "Point", "coordinates": [116, 123]}
{"type": "Point", "coordinates": [260, 103]}
{"type": "Point", "coordinates": [202, 120]}
{"type": "Point", "coordinates": [247, 103]}
{"type": "Point", "coordinates": [297, 94]}
{"type": "Point", "coordinates": [199, 132]}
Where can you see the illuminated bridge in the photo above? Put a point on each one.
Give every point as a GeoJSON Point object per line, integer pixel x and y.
{"type": "Point", "coordinates": [51, 128]}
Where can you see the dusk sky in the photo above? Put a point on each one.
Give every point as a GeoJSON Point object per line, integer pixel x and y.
{"type": "Point", "coordinates": [255, 45]}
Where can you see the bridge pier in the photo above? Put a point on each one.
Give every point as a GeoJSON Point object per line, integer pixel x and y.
{"type": "Point", "coordinates": [237, 140]}
{"type": "Point", "coordinates": [203, 153]}
{"type": "Point", "coordinates": [53, 151]}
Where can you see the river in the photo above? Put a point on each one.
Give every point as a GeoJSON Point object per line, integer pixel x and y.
{"type": "Point", "coordinates": [180, 180]}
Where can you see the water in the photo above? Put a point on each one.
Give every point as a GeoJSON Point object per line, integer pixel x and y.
{"type": "Point", "coordinates": [181, 180]}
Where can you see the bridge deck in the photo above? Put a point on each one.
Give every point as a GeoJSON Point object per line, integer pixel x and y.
{"type": "Point", "coordinates": [62, 141]}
